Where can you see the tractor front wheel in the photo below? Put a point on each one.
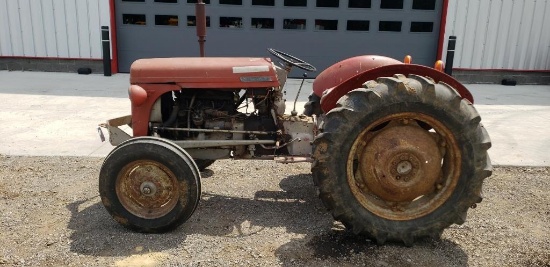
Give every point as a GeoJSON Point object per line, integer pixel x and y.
{"type": "Point", "coordinates": [401, 159]}
{"type": "Point", "coordinates": [149, 184]}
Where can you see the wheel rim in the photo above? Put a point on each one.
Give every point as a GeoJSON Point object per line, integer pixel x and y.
{"type": "Point", "coordinates": [403, 166]}
{"type": "Point", "coordinates": [147, 189]}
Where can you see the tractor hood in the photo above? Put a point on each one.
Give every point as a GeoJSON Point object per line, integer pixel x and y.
{"type": "Point", "coordinates": [205, 72]}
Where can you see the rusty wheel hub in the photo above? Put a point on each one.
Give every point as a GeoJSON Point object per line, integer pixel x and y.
{"type": "Point", "coordinates": [147, 189]}
{"type": "Point", "coordinates": [400, 170]}
{"type": "Point", "coordinates": [400, 163]}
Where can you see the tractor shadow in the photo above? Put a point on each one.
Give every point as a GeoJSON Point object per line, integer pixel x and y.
{"type": "Point", "coordinates": [295, 208]}
{"type": "Point", "coordinates": [95, 233]}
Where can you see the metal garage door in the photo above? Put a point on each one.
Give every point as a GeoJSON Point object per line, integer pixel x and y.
{"type": "Point", "coordinates": [321, 32]}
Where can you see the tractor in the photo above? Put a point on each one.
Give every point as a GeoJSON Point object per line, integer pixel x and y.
{"type": "Point", "coordinates": [397, 150]}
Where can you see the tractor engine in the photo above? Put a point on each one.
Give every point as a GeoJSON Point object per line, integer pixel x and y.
{"type": "Point", "coordinates": [203, 114]}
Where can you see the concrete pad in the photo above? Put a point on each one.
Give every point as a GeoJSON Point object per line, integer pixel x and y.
{"type": "Point", "coordinates": [56, 114]}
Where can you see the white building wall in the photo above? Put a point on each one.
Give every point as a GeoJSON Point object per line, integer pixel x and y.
{"type": "Point", "coordinates": [500, 34]}
{"type": "Point", "coordinates": [53, 28]}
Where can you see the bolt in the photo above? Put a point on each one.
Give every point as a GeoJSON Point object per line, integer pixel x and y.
{"type": "Point", "coordinates": [146, 190]}
{"type": "Point", "coordinates": [439, 186]}
{"type": "Point", "coordinates": [404, 167]}
{"type": "Point", "coordinates": [398, 177]}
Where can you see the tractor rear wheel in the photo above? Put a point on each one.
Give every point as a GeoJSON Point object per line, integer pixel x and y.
{"type": "Point", "coordinates": [401, 159]}
{"type": "Point", "coordinates": [149, 184]}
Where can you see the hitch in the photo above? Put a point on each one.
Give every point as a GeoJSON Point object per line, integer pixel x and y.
{"type": "Point", "coordinates": [116, 135]}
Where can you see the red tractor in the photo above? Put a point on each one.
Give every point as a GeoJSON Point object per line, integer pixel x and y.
{"type": "Point", "coordinates": [397, 150]}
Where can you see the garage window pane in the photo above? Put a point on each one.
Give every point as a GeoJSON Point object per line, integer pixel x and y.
{"type": "Point", "coordinates": [295, 2]}
{"type": "Point", "coordinates": [136, 19]}
{"type": "Point", "coordinates": [422, 26]}
{"type": "Point", "coordinates": [358, 25]}
{"type": "Point", "coordinates": [166, 1]}
{"type": "Point", "coordinates": [389, 26]}
{"type": "Point", "coordinates": [231, 2]}
{"type": "Point", "coordinates": [326, 25]}
{"type": "Point", "coordinates": [391, 4]}
{"type": "Point", "coordinates": [328, 3]}
{"type": "Point", "coordinates": [192, 21]}
{"type": "Point", "coordinates": [263, 23]}
{"type": "Point", "coordinates": [195, 1]}
{"type": "Point", "coordinates": [263, 2]}
{"type": "Point", "coordinates": [167, 20]}
{"type": "Point", "coordinates": [294, 24]}
{"type": "Point", "coordinates": [424, 4]}
{"type": "Point", "coordinates": [231, 22]}
{"type": "Point", "coordinates": [359, 3]}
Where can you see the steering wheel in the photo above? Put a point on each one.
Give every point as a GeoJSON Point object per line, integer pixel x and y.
{"type": "Point", "coordinates": [292, 60]}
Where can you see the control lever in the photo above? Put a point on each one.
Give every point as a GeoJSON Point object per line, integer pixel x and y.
{"type": "Point", "coordinates": [293, 112]}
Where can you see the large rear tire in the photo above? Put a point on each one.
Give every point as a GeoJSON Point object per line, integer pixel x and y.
{"type": "Point", "coordinates": [401, 159]}
{"type": "Point", "coordinates": [149, 184]}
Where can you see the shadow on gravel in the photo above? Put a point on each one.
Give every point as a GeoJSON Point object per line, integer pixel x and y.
{"type": "Point", "coordinates": [339, 247]}
{"type": "Point", "coordinates": [96, 233]}
{"type": "Point", "coordinates": [291, 208]}
{"type": "Point", "coordinates": [295, 208]}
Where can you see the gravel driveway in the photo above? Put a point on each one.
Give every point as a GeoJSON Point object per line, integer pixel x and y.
{"type": "Point", "coordinates": [252, 213]}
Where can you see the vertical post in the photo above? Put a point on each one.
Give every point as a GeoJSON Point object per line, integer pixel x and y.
{"type": "Point", "coordinates": [200, 16]}
{"type": "Point", "coordinates": [106, 50]}
{"type": "Point", "coordinates": [450, 55]}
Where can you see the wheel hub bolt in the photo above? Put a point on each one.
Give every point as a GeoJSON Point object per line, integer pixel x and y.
{"type": "Point", "coordinates": [404, 167]}
{"type": "Point", "coordinates": [148, 188]}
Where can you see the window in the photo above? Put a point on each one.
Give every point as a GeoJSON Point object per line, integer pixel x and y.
{"type": "Point", "coordinates": [424, 4]}
{"type": "Point", "coordinates": [195, 1]}
{"type": "Point", "coordinates": [192, 21]}
{"type": "Point", "coordinates": [422, 26]}
{"type": "Point", "coordinates": [359, 3]}
{"type": "Point", "coordinates": [328, 3]}
{"type": "Point", "coordinates": [136, 19]}
{"type": "Point", "coordinates": [358, 25]}
{"type": "Point", "coordinates": [295, 2]}
{"type": "Point", "coordinates": [389, 26]}
{"type": "Point", "coordinates": [391, 4]}
{"type": "Point", "coordinates": [294, 24]}
{"type": "Point", "coordinates": [326, 25]}
{"type": "Point", "coordinates": [231, 22]}
{"type": "Point", "coordinates": [263, 23]}
{"type": "Point", "coordinates": [133, 0]}
{"type": "Point", "coordinates": [263, 2]}
{"type": "Point", "coordinates": [231, 2]}
{"type": "Point", "coordinates": [167, 20]}
{"type": "Point", "coordinates": [167, 1]}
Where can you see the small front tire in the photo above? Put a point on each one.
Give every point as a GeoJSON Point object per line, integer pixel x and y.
{"type": "Point", "coordinates": [149, 184]}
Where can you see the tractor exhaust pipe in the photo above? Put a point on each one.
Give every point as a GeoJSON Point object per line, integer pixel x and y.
{"type": "Point", "coordinates": [200, 16]}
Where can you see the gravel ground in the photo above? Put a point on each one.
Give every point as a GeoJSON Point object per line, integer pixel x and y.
{"type": "Point", "coordinates": [252, 213]}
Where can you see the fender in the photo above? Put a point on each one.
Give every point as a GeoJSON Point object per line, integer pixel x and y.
{"type": "Point", "coordinates": [331, 96]}
{"type": "Point", "coordinates": [347, 68]}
